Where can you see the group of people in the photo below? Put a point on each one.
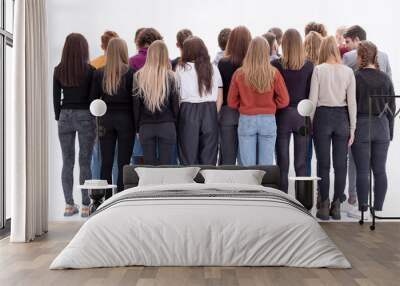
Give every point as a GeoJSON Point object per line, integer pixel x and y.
{"type": "Point", "coordinates": [240, 108]}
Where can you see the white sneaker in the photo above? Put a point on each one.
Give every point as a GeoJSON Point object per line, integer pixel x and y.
{"type": "Point", "coordinates": [353, 212]}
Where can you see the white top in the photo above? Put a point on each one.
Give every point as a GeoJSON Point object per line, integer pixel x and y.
{"type": "Point", "coordinates": [311, 178]}
{"type": "Point", "coordinates": [189, 90]}
{"type": "Point", "coordinates": [334, 85]}
{"type": "Point", "coordinates": [93, 187]}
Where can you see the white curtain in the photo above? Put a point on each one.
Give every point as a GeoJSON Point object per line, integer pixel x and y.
{"type": "Point", "coordinates": [27, 123]}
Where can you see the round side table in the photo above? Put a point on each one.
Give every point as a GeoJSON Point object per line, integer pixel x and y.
{"type": "Point", "coordinates": [96, 193]}
{"type": "Point", "coordinates": [304, 190]}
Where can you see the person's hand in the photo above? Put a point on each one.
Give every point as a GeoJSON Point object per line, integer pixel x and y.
{"type": "Point", "coordinates": [351, 140]}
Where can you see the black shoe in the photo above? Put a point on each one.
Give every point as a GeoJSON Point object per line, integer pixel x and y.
{"type": "Point", "coordinates": [323, 211]}
{"type": "Point", "coordinates": [335, 210]}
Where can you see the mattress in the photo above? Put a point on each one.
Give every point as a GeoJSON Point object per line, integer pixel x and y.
{"type": "Point", "coordinates": [201, 225]}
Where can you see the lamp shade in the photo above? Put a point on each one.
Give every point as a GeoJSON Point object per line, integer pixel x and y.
{"type": "Point", "coordinates": [305, 107]}
{"type": "Point", "coordinates": [98, 107]}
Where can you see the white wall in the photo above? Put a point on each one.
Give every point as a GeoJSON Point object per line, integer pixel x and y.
{"type": "Point", "coordinates": [206, 18]}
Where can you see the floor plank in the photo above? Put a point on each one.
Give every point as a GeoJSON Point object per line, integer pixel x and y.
{"type": "Point", "coordinates": [375, 257]}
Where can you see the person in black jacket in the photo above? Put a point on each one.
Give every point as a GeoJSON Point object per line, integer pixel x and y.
{"type": "Point", "coordinates": [371, 81]}
{"type": "Point", "coordinates": [113, 84]}
{"type": "Point", "coordinates": [297, 72]}
{"type": "Point", "coordinates": [236, 49]}
{"type": "Point", "coordinates": [156, 106]}
{"type": "Point", "coordinates": [71, 87]}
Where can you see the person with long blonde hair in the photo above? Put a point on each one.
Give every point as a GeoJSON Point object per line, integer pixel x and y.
{"type": "Point", "coordinates": [334, 123]}
{"type": "Point", "coordinates": [312, 43]}
{"type": "Point", "coordinates": [257, 90]}
{"type": "Point", "coordinates": [157, 106]}
{"type": "Point", "coordinates": [297, 72]}
{"type": "Point", "coordinates": [113, 84]}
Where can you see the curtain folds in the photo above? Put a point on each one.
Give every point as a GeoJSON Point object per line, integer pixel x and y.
{"type": "Point", "coordinates": [28, 123]}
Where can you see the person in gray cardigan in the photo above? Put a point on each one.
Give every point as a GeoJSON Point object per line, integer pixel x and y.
{"type": "Point", "coordinates": [353, 36]}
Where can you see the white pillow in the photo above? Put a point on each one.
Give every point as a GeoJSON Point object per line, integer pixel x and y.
{"type": "Point", "coordinates": [247, 177]}
{"type": "Point", "coordinates": [166, 176]}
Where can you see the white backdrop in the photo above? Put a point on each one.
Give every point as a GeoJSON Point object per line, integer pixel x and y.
{"type": "Point", "coordinates": [206, 18]}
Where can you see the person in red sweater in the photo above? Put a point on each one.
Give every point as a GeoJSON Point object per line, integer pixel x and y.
{"type": "Point", "coordinates": [257, 90]}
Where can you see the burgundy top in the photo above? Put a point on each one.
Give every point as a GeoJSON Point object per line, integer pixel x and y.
{"type": "Point", "coordinates": [343, 49]}
{"type": "Point", "coordinates": [137, 61]}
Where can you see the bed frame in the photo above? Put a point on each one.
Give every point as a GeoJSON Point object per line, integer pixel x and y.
{"type": "Point", "coordinates": [271, 178]}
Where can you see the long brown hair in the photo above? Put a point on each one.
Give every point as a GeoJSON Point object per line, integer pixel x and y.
{"type": "Point", "coordinates": [116, 65]}
{"type": "Point", "coordinates": [74, 61]}
{"type": "Point", "coordinates": [238, 44]}
{"type": "Point", "coordinates": [367, 54]}
{"type": "Point", "coordinates": [194, 50]}
{"type": "Point", "coordinates": [153, 78]}
{"type": "Point", "coordinates": [329, 49]}
{"type": "Point", "coordinates": [257, 70]}
{"type": "Point", "coordinates": [292, 50]}
{"type": "Point", "coordinates": [312, 44]}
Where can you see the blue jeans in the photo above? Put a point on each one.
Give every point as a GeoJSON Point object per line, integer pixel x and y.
{"type": "Point", "coordinates": [137, 152]}
{"type": "Point", "coordinates": [257, 130]}
{"type": "Point", "coordinates": [96, 163]}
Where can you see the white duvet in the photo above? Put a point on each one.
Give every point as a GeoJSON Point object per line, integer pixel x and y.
{"type": "Point", "coordinates": [204, 231]}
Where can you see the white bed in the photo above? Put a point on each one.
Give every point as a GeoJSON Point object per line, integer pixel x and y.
{"type": "Point", "coordinates": [201, 225]}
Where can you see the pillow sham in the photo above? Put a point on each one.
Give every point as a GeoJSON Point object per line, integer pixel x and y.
{"type": "Point", "coordinates": [247, 177]}
{"type": "Point", "coordinates": [166, 176]}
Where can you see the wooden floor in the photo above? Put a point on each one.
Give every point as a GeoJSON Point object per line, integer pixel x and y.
{"type": "Point", "coordinates": [375, 257]}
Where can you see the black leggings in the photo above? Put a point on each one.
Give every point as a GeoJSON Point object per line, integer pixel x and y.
{"type": "Point", "coordinates": [117, 127]}
{"type": "Point", "coordinates": [228, 135]}
{"type": "Point", "coordinates": [331, 126]}
{"type": "Point", "coordinates": [380, 139]}
{"type": "Point", "coordinates": [158, 142]}
{"type": "Point", "coordinates": [289, 122]}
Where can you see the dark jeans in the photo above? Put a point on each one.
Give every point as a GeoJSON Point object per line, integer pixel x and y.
{"type": "Point", "coordinates": [118, 127]}
{"type": "Point", "coordinates": [71, 122]}
{"type": "Point", "coordinates": [289, 122]}
{"type": "Point", "coordinates": [198, 133]}
{"type": "Point", "coordinates": [331, 126]}
{"type": "Point", "coordinates": [158, 143]}
{"type": "Point", "coordinates": [380, 139]}
{"type": "Point", "coordinates": [228, 130]}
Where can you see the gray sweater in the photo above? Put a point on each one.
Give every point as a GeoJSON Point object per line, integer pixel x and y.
{"type": "Point", "coordinates": [350, 60]}
{"type": "Point", "coordinates": [333, 85]}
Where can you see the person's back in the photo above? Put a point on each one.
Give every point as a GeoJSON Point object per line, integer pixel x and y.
{"type": "Point", "coordinates": [145, 38]}
{"type": "Point", "coordinates": [100, 61]}
{"type": "Point", "coordinates": [257, 90]}
{"type": "Point", "coordinates": [201, 99]}
{"type": "Point", "coordinates": [122, 98]}
{"type": "Point", "coordinates": [375, 126]}
{"type": "Point", "coordinates": [350, 60]}
{"type": "Point", "coordinates": [71, 87]}
{"type": "Point", "coordinates": [223, 38]}
{"type": "Point", "coordinates": [156, 106]}
{"type": "Point", "coordinates": [334, 81]}
{"type": "Point", "coordinates": [113, 84]}
{"type": "Point", "coordinates": [353, 36]}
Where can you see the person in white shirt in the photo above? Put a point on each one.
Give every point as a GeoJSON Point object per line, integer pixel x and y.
{"type": "Point", "coordinates": [333, 93]}
{"type": "Point", "coordinates": [223, 38]}
{"type": "Point", "coordinates": [201, 100]}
